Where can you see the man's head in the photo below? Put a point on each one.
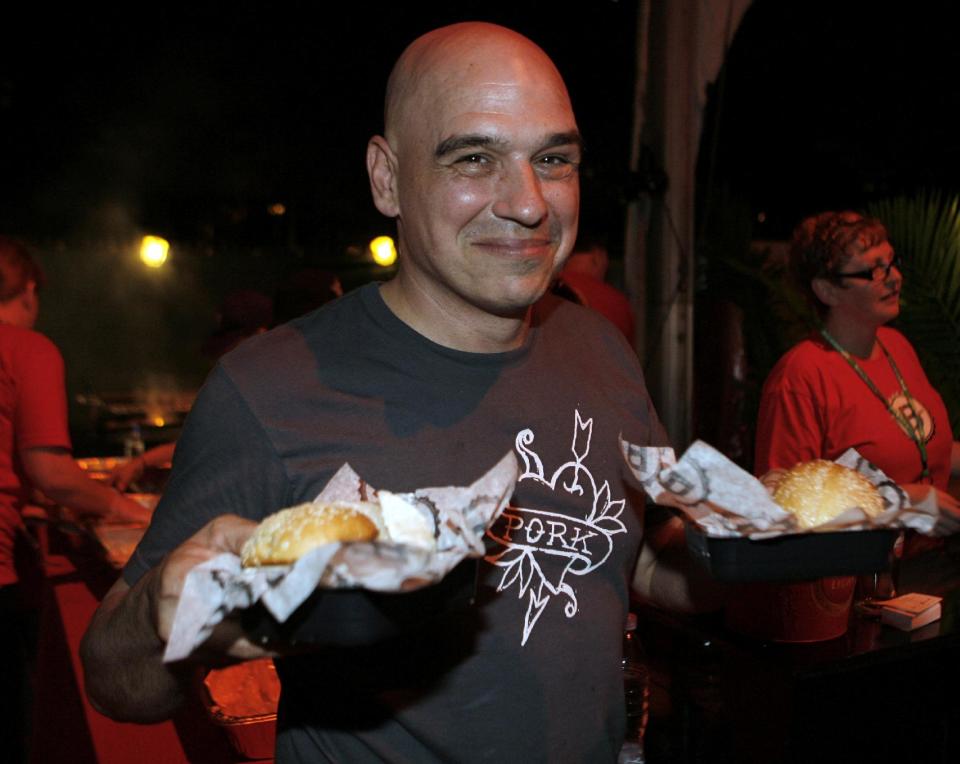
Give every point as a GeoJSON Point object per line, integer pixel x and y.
{"type": "Point", "coordinates": [479, 165]}
{"type": "Point", "coordinates": [20, 280]}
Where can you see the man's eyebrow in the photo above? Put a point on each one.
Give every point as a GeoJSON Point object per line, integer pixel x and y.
{"type": "Point", "coordinates": [460, 142]}
{"type": "Point", "coordinates": [564, 139]}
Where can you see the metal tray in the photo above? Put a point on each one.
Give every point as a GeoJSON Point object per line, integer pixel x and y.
{"type": "Point", "coordinates": [353, 617]}
{"type": "Point", "coordinates": [795, 557]}
{"type": "Point", "coordinates": [251, 735]}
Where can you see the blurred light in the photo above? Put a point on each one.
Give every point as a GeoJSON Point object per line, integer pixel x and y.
{"type": "Point", "coordinates": [384, 251]}
{"type": "Point", "coordinates": [762, 217]}
{"type": "Point", "coordinates": [277, 209]}
{"type": "Point", "coordinates": [158, 421]}
{"type": "Point", "coordinates": [154, 251]}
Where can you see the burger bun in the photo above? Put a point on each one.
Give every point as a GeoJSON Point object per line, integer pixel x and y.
{"type": "Point", "coordinates": [284, 537]}
{"type": "Point", "coordinates": [818, 491]}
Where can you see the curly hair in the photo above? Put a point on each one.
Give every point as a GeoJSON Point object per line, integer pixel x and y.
{"type": "Point", "coordinates": [822, 243]}
{"type": "Point", "coordinates": [17, 269]}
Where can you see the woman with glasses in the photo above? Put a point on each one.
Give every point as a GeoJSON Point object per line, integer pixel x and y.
{"type": "Point", "coordinates": [856, 382]}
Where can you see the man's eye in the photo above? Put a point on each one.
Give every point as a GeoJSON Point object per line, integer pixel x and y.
{"type": "Point", "coordinates": [474, 159]}
{"type": "Point", "coordinates": [556, 166]}
{"type": "Point", "coordinates": [473, 164]}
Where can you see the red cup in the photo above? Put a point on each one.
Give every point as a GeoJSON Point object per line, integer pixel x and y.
{"type": "Point", "coordinates": [804, 611]}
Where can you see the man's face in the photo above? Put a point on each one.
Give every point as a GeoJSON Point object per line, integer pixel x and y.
{"type": "Point", "coordinates": [487, 186]}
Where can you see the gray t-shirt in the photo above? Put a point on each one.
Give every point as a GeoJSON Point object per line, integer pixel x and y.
{"type": "Point", "coordinates": [531, 671]}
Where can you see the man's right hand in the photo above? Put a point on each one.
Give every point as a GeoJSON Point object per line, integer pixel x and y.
{"type": "Point", "coordinates": [122, 651]}
{"type": "Point", "coordinates": [226, 533]}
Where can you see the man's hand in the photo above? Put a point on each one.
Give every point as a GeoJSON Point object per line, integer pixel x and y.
{"type": "Point", "coordinates": [226, 533]}
{"type": "Point", "coordinates": [666, 575]}
{"type": "Point", "coordinates": [122, 651]}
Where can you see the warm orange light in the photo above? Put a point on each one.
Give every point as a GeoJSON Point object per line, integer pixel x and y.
{"type": "Point", "coordinates": [154, 251]}
{"type": "Point", "coordinates": [158, 421]}
{"type": "Point", "coordinates": [384, 251]}
{"type": "Point", "coordinates": [277, 209]}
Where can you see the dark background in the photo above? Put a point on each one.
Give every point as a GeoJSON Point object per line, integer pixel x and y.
{"type": "Point", "coordinates": [189, 121]}
{"type": "Point", "coordinates": [192, 122]}
{"type": "Point", "coordinates": [826, 105]}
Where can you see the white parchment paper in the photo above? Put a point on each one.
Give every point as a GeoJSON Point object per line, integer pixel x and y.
{"type": "Point", "coordinates": [462, 514]}
{"type": "Point", "coordinates": [724, 500]}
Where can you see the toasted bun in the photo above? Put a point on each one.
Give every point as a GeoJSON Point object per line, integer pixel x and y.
{"type": "Point", "coordinates": [818, 491]}
{"type": "Point", "coordinates": [284, 537]}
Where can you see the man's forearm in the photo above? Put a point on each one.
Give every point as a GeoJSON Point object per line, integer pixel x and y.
{"type": "Point", "coordinates": [122, 651]}
{"type": "Point", "coordinates": [122, 655]}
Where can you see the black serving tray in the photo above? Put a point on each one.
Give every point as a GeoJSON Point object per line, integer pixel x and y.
{"type": "Point", "coordinates": [794, 557]}
{"type": "Point", "coordinates": [354, 617]}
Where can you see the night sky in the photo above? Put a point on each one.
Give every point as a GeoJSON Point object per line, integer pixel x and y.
{"type": "Point", "coordinates": [193, 121]}
{"type": "Point", "coordinates": [831, 104]}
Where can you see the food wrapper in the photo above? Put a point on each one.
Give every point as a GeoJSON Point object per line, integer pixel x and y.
{"type": "Point", "coordinates": [214, 589]}
{"type": "Point", "coordinates": [725, 501]}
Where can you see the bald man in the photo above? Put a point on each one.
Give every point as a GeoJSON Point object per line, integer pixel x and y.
{"type": "Point", "coordinates": [428, 380]}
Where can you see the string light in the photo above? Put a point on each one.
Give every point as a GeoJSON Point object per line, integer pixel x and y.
{"type": "Point", "coordinates": [154, 251]}
{"type": "Point", "coordinates": [384, 251]}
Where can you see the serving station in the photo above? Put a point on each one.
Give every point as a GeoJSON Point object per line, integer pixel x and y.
{"type": "Point", "coordinates": [229, 717]}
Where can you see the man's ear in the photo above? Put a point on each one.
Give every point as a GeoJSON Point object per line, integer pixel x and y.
{"type": "Point", "coordinates": [382, 169]}
{"type": "Point", "coordinates": [825, 290]}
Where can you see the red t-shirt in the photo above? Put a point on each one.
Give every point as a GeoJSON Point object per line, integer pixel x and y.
{"type": "Point", "coordinates": [815, 406]}
{"type": "Point", "coordinates": [600, 296]}
{"type": "Point", "coordinates": [33, 412]}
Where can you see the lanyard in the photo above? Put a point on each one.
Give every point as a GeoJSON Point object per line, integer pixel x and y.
{"type": "Point", "coordinates": [914, 432]}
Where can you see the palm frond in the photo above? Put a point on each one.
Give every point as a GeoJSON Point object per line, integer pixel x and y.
{"type": "Point", "coordinates": [925, 232]}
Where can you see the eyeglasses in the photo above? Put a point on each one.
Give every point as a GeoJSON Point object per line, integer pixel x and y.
{"type": "Point", "coordinates": [876, 273]}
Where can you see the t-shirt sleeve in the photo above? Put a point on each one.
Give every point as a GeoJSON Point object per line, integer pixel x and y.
{"type": "Point", "coordinates": [789, 426]}
{"type": "Point", "coordinates": [224, 464]}
{"type": "Point", "coordinates": [41, 412]}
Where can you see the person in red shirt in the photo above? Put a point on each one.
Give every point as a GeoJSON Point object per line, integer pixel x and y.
{"type": "Point", "coordinates": [584, 276]}
{"type": "Point", "coordinates": [856, 383]}
{"type": "Point", "coordinates": [34, 453]}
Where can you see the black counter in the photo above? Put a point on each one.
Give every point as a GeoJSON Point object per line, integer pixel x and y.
{"type": "Point", "coordinates": [876, 694]}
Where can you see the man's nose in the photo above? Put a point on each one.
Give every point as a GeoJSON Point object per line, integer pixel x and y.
{"type": "Point", "coordinates": [520, 196]}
